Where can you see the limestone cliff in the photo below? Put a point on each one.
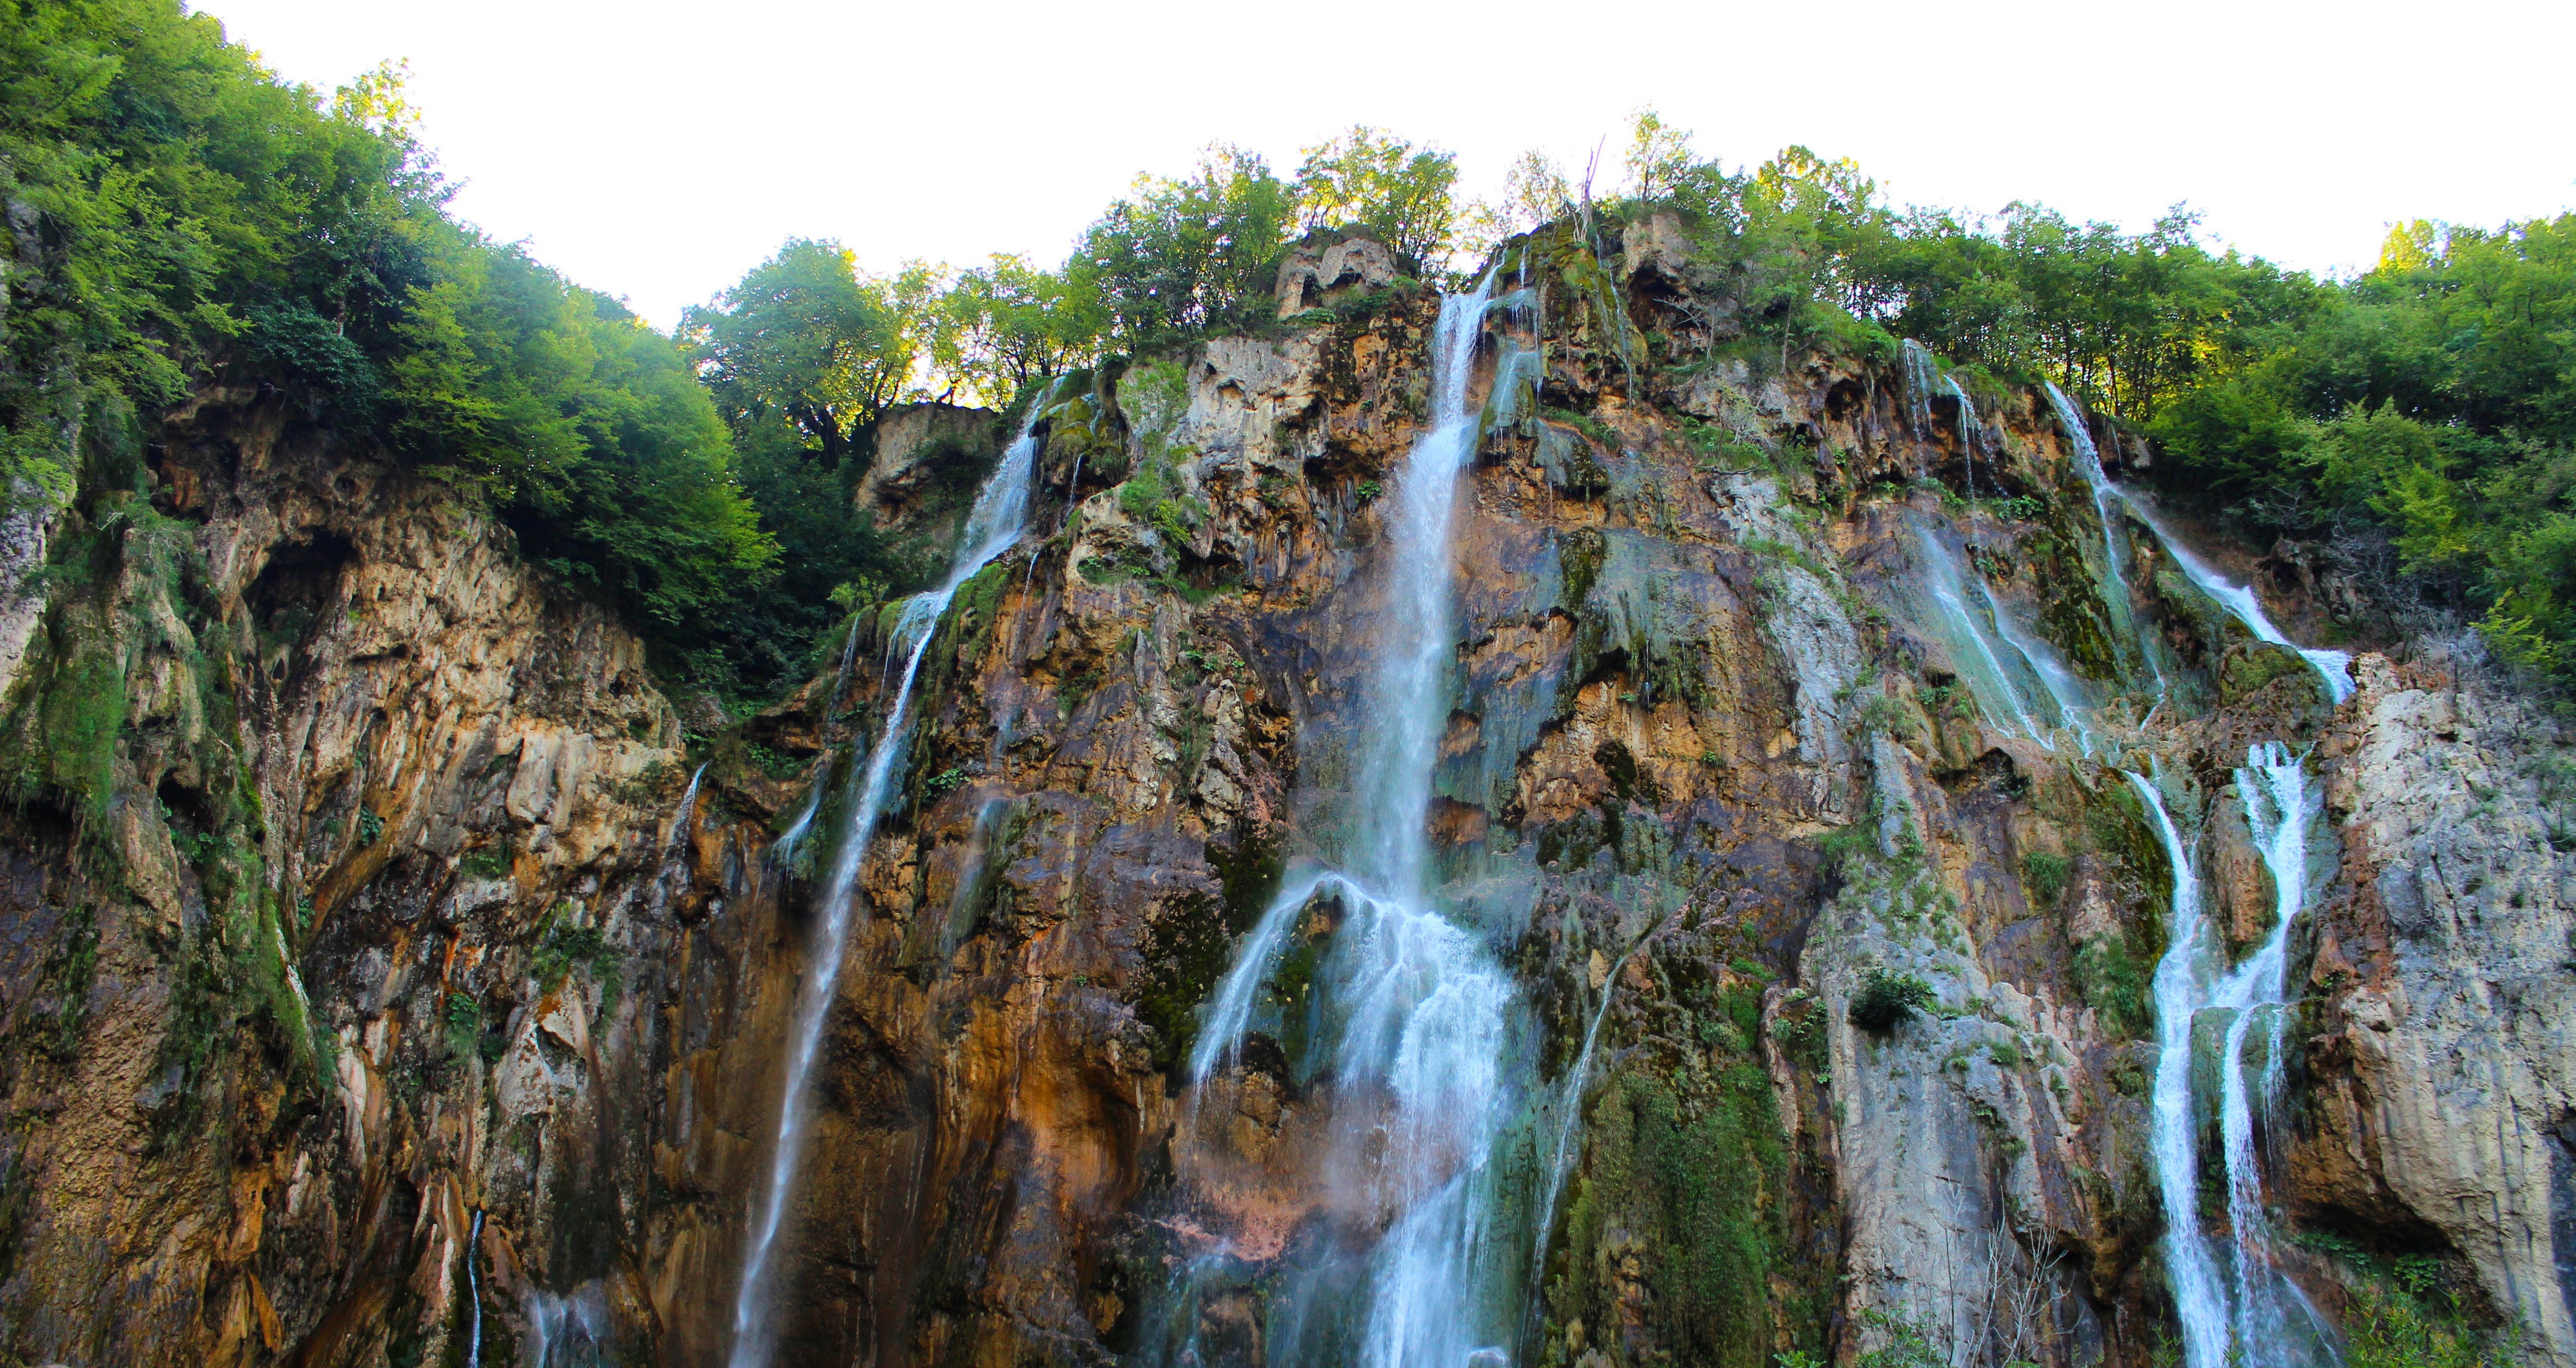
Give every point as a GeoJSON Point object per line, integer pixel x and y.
{"type": "Point", "coordinates": [385, 978]}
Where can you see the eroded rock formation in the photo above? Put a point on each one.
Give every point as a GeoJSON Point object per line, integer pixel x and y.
{"type": "Point", "coordinates": [384, 959]}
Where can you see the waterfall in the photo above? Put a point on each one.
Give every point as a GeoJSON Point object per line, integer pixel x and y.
{"type": "Point", "coordinates": [794, 836]}
{"type": "Point", "coordinates": [2335, 667]}
{"type": "Point", "coordinates": [570, 1331]}
{"type": "Point", "coordinates": [1967, 431]}
{"type": "Point", "coordinates": [688, 805]}
{"type": "Point", "coordinates": [2200, 1300]}
{"type": "Point", "coordinates": [1922, 377]}
{"type": "Point", "coordinates": [2115, 544]}
{"type": "Point", "coordinates": [1973, 647]}
{"type": "Point", "coordinates": [1569, 1115]}
{"type": "Point", "coordinates": [1414, 1005]}
{"type": "Point", "coordinates": [1000, 514]}
{"type": "Point", "coordinates": [2065, 691]}
{"type": "Point", "coordinates": [2240, 1312]}
{"type": "Point", "coordinates": [474, 1295]}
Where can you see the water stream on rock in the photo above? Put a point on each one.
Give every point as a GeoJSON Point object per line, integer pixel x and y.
{"type": "Point", "coordinates": [1412, 1007]}
{"type": "Point", "coordinates": [2115, 541]}
{"type": "Point", "coordinates": [474, 1294]}
{"type": "Point", "coordinates": [2219, 1024]}
{"type": "Point", "coordinates": [2240, 602]}
{"type": "Point", "coordinates": [1977, 649]}
{"type": "Point", "coordinates": [2235, 1305]}
{"type": "Point", "coordinates": [999, 516]}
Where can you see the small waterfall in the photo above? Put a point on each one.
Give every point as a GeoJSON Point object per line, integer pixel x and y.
{"type": "Point", "coordinates": [2200, 1299]}
{"type": "Point", "coordinates": [1569, 1117]}
{"type": "Point", "coordinates": [2335, 667]}
{"type": "Point", "coordinates": [1923, 379]}
{"type": "Point", "coordinates": [999, 516]}
{"type": "Point", "coordinates": [2073, 702]}
{"type": "Point", "coordinates": [1414, 1007]}
{"type": "Point", "coordinates": [686, 811]}
{"type": "Point", "coordinates": [1974, 648]}
{"type": "Point", "coordinates": [570, 1331]}
{"type": "Point", "coordinates": [2115, 542]}
{"type": "Point", "coordinates": [788, 841]}
{"type": "Point", "coordinates": [1967, 430]}
{"type": "Point", "coordinates": [474, 1294]}
{"type": "Point", "coordinates": [2242, 1313]}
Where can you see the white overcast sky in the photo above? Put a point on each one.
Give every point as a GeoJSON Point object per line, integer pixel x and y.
{"type": "Point", "coordinates": [657, 150]}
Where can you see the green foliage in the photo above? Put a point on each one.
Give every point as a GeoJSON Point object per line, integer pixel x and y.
{"type": "Point", "coordinates": [1186, 255]}
{"type": "Point", "coordinates": [1908, 1342]}
{"type": "Point", "coordinates": [2417, 1325]}
{"type": "Point", "coordinates": [1841, 847]}
{"type": "Point", "coordinates": [2045, 875]}
{"type": "Point", "coordinates": [806, 337]}
{"type": "Point", "coordinates": [1689, 1180]}
{"type": "Point", "coordinates": [563, 947]}
{"type": "Point", "coordinates": [1381, 187]}
{"type": "Point", "coordinates": [176, 202]}
{"type": "Point", "coordinates": [1002, 327]}
{"type": "Point", "coordinates": [587, 429]}
{"type": "Point", "coordinates": [2114, 983]}
{"type": "Point", "coordinates": [1887, 1000]}
{"type": "Point", "coordinates": [189, 216]}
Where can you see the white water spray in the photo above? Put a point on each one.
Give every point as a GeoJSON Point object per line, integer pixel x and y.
{"type": "Point", "coordinates": [2239, 601]}
{"type": "Point", "coordinates": [474, 1294]}
{"type": "Point", "coordinates": [1417, 1005]}
{"type": "Point", "coordinates": [1975, 650]}
{"type": "Point", "coordinates": [785, 847]}
{"type": "Point", "coordinates": [999, 516]}
{"type": "Point", "coordinates": [2199, 1296]}
{"type": "Point", "coordinates": [2239, 1307]}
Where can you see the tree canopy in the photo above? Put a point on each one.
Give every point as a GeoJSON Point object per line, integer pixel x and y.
{"type": "Point", "coordinates": [184, 218]}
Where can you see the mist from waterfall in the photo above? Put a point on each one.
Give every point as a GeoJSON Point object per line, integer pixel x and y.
{"type": "Point", "coordinates": [994, 525]}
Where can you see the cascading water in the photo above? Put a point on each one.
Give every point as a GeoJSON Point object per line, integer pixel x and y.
{"type": "Point", "coordinates": [2200, 1298]}
{"type": "Point", "coordinates": [1974, 647]}
{"type": "Point", "coordinates": [794, 836]}
{"type": "Point", "coordinates": [1414, 1007]}
{"type": "Point", "coordinates": [999, 516]}
{"type": "Point", "coordinates": [2115, 543]}
{"type": "Point", "coordinates": [2239, 601]}
{"type": "Point", "coordinates": [2239, 1311]}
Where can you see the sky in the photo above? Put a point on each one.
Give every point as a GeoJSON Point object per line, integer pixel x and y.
{"type": "Point", "coordinates": [656, 151]}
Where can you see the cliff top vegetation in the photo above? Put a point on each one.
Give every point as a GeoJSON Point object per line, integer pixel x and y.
{"type": "Point", "coordinates": [183, 219]}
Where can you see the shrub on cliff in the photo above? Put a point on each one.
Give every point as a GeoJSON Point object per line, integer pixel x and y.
{"type": "Point", "coordinates": [1887, 1000]}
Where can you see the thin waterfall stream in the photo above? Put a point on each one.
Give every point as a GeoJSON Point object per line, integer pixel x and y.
{"type": "Point", "coordinates": [999, 516]}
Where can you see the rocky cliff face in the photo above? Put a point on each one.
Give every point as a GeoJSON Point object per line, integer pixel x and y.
{"type": "Point", "coordinates": [389, 987]}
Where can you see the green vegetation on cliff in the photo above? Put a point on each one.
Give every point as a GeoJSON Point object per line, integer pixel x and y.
{"type": "Point", "coordinates": [182, 219]}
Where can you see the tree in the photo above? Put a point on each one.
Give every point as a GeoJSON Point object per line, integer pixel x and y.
{"type": "Point", "coordinates": [1383, 187]}
{"type": "Point", "coordinates": [1009, 323]}
{"type": "Point", "coordinates": [1184, 255]}
{"type": "Point", "coordinates": [805, 336]}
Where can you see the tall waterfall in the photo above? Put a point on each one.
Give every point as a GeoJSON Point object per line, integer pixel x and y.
{"type": "Point", "coordinates": [999, 515]}
{"type": "Point", "coordinates": [1414, 1006]}
{"type": "Point", "coordinates": [2234, 1303]}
